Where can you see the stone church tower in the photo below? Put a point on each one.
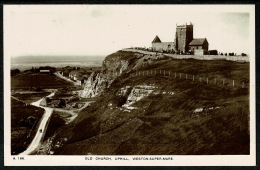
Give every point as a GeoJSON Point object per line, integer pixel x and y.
{"type": "Point", "coordinates": [183, 36]}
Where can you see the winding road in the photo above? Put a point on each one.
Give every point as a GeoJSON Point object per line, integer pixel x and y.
{"type": "Point", "coordinates": [41, 129]}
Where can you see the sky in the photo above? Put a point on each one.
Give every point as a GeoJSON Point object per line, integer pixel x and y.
{"type": "Point", "coordinates": [104, 29]}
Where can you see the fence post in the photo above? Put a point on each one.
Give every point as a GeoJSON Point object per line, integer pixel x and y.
{"type": "Point", "coordinates": [192, 77]}
{"type": "Point", "coordinates": [233, 83]}
{"type": "Point", "coordinates": [240, 128]}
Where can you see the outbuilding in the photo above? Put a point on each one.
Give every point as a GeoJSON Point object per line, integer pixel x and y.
{"type": "Point", "coordinates": [44, 71]}
{"type": "Point", "coordinates": [199, 44]}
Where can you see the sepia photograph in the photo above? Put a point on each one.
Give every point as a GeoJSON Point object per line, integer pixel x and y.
{"type": "Point", "coordinates": [129, 85]}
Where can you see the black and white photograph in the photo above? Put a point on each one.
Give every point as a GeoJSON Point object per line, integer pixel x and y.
{"type": "Point", "coordinates": [165, 85]}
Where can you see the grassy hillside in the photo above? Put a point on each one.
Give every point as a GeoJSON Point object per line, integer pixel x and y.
{"type": "Point", "coordinates": [23, 131]}
{"type": "Point", "coordinates": [164, 123]}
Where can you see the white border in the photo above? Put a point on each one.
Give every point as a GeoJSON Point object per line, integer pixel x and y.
{"type": "Point", "coordinates": [178, 160]}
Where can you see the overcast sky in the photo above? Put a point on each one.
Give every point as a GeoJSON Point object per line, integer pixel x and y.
{"type": "Point", "coordinates": [101, 30]}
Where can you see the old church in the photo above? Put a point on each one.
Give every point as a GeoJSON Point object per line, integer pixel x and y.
{"type": "Point", "coordinates": [184, 42]}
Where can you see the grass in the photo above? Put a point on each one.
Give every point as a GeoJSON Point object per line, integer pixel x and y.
{"type": "Point", "coordinates": [19, 111]}
{"type": "Point", "coordinates": [29, 80]}
{"type": "Point", "coordinates": [56, 121]}
{"type": "Point", "coordinates": [163, 124]}
{"type": "Point", "coordinates": [30, 97]}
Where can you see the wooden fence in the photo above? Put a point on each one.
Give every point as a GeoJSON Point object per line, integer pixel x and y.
{"type": "Point", "coordinates": [202, 79]}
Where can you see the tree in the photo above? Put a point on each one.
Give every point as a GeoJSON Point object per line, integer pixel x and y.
{"type": "Point", "coordinates": [243, 54]}
{"type": "Point", "coordinates": [15, 72]}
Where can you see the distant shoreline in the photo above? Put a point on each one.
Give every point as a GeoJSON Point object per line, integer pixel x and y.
{"type": "Point", "coordinates": [23, 67]}
{"type": "Point", "coordinates": [27, 62]}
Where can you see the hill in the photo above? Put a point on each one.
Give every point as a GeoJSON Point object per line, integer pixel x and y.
{"type": "Point", "coordinates": [24, 120]}
{"type": "Point", "coordinates": [156, 105]}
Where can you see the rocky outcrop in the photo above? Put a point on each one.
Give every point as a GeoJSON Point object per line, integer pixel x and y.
{"type": "Point", "coordinates": [94, 85]}
{"type": "Point", "coordinates": [113, 66]}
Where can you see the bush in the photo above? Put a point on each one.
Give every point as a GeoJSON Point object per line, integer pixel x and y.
{"type": "Point", "coordinates": [15, 72]}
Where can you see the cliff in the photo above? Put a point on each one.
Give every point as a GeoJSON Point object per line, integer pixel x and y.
{"type": "Point", "coordinates": [113, 66]}
{"type": "Point", "coordinates": [146, 107]}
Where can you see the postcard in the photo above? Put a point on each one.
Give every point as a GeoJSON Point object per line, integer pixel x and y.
{"type": "Point", "coordinates": [129, 85]}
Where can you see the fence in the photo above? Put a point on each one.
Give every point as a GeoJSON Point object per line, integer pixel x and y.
{"type": "Point", "coordinates": [201, 79]}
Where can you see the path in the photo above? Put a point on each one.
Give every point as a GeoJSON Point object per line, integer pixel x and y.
{"type": "Point", "coordinates": [41, 129]}
{"type": "Point", "coordinates": [63, 77]}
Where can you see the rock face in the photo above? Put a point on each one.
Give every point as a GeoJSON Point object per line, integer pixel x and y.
{"type": "Point", "coordinates": [94, 85]}
{"type": "Point", "coordinates": [137, 93]}
{"type": "Point", "coordinates": [113, 66]}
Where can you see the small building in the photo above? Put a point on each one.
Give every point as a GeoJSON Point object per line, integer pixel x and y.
{"type": "Point", "coordinates": [72, 75]}
{"type": "Point", "coordinates": [45, 72]}
{"type": "Point", "coordinates": [198, 44]}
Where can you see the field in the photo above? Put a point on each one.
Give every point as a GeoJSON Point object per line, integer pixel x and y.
{"type": "Point", "coordinates": [37, 81]}
{"type": "Point", "coordinates": [30, 96]}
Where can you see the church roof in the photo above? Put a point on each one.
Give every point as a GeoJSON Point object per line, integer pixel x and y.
{"type": "Point", "coordinates": [156, 40]}
{"type": "Point", "coordinates": [198, 41]}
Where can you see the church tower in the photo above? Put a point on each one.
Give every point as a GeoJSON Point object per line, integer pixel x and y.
{"type": "Point", "coordinates": [183, 36]}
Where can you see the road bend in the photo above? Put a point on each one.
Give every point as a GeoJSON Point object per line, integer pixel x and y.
{"type": "Point", "coordinates": [41, 129]}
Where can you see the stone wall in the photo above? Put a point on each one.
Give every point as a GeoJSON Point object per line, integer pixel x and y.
{"type": "Point", "coordinates": [198, 57]}
{"type": "Point", "coordinates": [199, 51]}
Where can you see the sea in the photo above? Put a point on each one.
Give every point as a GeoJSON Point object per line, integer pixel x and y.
{"type": "Point", "coordinates": [27, 62]}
